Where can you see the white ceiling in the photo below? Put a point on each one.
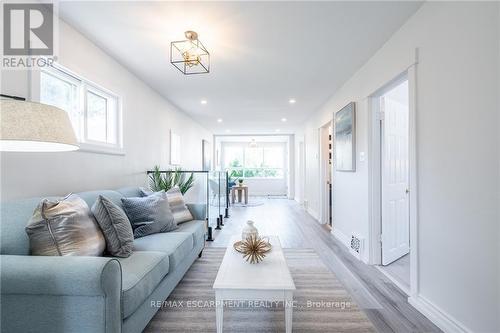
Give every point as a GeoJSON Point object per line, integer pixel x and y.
{"type": "Point", "coordinates": [262, 53]}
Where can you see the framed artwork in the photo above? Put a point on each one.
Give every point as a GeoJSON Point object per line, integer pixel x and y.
{"type": "Point", "coordinates": [206, 158]}
{"type": "Point", "coordinates": [345, 138]}
{"type": "Point", "coordinates": [175, 148]}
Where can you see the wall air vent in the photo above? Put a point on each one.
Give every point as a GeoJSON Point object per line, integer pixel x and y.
{"type": "Point", "coordinates": [357, 244]}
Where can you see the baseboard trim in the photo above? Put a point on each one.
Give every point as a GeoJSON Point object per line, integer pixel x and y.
{"type": "Point", "coordinates": [405, 289]}
{"type": "Point", "coordinates": [346, 241]}
{"type": "Point", "coordinates": [341, 237]}
{"type": "Point", "coordinates": [313, 213]}
{"type": "Point", "coordinates": [439, 317]}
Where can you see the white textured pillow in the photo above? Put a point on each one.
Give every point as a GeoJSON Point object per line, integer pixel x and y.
{"type": "Point", "coordinates": [177, 206]}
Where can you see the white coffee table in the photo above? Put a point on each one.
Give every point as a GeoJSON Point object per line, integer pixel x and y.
{"type": "Point", "coordinates": [269, 280]}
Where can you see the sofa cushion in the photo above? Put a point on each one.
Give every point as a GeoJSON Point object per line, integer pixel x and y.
{"type": "Point", "coordinates": [195, 227]}
{"type": "Point", "coordinates": [14, 216]}
{"type": "Point", "coordinates": [131, 191]}
{"type": "Point", "coordinates": [141, 274]}
{"type": "Point", "coordinates": [177, 245]}
{"type": "Point", "coordinates": [91, 196]}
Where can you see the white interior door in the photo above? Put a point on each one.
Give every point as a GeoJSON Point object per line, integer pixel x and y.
{"type": "Point", "coordinates": [395, 174]}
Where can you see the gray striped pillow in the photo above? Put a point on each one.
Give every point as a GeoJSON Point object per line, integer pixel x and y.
{"type": "Point", "coordinates": [177, 206]}
{"type": "Point", "coordinates": [115, 226]}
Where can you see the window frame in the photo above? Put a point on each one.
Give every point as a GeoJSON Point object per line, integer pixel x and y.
{"type": "Point", "coordinates": [85, 86]}
{"type": "Point", "coordinates": [243, 168]}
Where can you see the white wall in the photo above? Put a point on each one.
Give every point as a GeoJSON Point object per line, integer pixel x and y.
{"type": "Point", "coordinates": [147, 120]}
{"type": "Point", "coordinates": [458, 157]}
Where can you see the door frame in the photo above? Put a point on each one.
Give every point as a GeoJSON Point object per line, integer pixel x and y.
{"type": "Point", "coordinates": [301, 171]}
{"type": "Point", "coordinates": [374, 174]}
{"type": "Point", "coordinates": [323, 172]}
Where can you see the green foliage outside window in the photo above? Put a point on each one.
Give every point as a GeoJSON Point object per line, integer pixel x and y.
{"type": "Point", "coordinates": [255, 165]}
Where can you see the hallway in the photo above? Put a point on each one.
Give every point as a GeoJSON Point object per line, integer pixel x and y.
{"type": "Point", "coordinates": [384, 303]}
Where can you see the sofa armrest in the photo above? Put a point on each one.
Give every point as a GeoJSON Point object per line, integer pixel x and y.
{"type": "Point", "coordinates": [55, 283]}
{"type": "Point", "coordinates": [198, 210]}
{"type": "Point", "coordinates": [68, 275]}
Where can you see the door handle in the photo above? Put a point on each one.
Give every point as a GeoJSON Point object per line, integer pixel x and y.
{"type": "Point", "coordinates": [407, 190]}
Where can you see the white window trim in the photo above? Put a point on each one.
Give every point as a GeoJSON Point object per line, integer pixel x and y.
{"type": "Point", "coordinates": [88, 146]}
{"type": "Point", "coordinates": [243, 145]}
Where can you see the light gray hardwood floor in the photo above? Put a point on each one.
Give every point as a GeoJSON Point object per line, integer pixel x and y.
{"type": "Point", "coordinates": [382, 301]}
{"type": "Point", "coordinates": [400, 270]}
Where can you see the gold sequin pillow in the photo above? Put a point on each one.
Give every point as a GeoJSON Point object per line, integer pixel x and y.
{"type": "Point", "coordinates": [64, 227]}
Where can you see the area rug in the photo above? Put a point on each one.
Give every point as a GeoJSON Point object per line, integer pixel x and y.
{"type": "Point", "coordinates": [322, 304]}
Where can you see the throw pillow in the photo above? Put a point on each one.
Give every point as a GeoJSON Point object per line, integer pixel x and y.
{"type": "Point", "coordinates": [149, 215]}
{"type": "Point", "coordinates": [115, 226]}
{"type": "Point", "coordinates": [147, 193]}
{"type": "Point", "coordinates": [64, 227]}
{"type": "Point", "coordinates": [177, 206]}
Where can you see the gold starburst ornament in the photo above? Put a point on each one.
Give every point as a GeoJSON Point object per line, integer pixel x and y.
{"type": "Point", "coordinates": [253, 248]}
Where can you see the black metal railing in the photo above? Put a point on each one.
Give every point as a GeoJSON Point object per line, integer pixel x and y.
{"type": "Point", "coordinates": [215, 192]}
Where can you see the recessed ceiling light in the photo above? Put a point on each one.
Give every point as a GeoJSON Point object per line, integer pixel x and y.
{"type": "Point", "coordinates": [292, 101]}
{"type": "Point", "coordinates": [219, 120]}
{"type": "Point", "coordinates": [228, 131]}
{"type": "Point", "coordinates": [283, 119]}
{"type": "Point", "coordinates": [203, 101]}
{"type": "Point", "coordinates": [277, 130]}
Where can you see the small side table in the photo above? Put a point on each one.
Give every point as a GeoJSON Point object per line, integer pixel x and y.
{"type": "Point", "coordinates": [239, 189]}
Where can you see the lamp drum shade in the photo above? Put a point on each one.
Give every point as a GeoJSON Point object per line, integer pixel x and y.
{"type": "Point", "coordinates": [35, 127]}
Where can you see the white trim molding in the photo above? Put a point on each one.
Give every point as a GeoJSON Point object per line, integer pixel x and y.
{"type": "Point", "coordinates": [413, 178]}
{"type": "Point", "coordinates": [374, 184]}
{"type": "Point", "coordinates": [346, 241]}
{"type": "Point", "coordinates": [343, 238]}
{"type": "Point", "coordinates": [393, 280]}
{"type": "Point", "coordinates": [440, 318]}
{"type": "Point", "coordinates": [313, 213]}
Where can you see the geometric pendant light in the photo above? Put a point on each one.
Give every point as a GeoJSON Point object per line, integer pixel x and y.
{"type": "Point", "coordinates": [190, 56]}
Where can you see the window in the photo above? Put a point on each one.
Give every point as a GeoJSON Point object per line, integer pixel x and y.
{"type": "Point", "coordinates": [61, 91]}
{"type": "Point", "coordinates": [93, 111]}
{"type": "Point", "coordinates": [264, 161]}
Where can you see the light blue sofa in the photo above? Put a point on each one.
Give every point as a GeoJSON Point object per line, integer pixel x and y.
{"type": "Point", "coordinates": [90, 294]}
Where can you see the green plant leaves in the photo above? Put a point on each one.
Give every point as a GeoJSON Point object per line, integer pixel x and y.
{"type": "Point", "coordinates": [166, 180]}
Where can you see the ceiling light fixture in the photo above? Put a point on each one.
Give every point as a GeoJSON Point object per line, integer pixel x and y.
{"type": "Point", "coordinates": [190, 56]}
{"type": "Point", "coordinates": [283, 120]}
{"type": "Point", "coordinates": [292, 101]}
{"type": "Point", "coordinates": [277, 130]}
{"type": "Point", "coordinates": [219, 120]}
{"type": "Point", "coordinates": [203, 101]}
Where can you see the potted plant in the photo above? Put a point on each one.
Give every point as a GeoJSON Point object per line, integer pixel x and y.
{"type": "Point", "coordinates": [240, 181]}
{"type": "Point", "coordinates": [233, 179]}
{"type": "Point", "coordinates": [165, 181]}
